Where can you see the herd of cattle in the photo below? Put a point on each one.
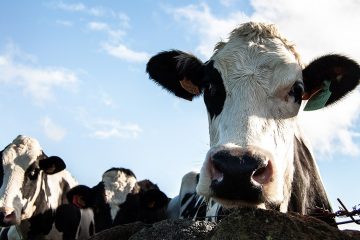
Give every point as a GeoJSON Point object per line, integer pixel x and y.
{"type": "Point", "coordinates": [253, 87]}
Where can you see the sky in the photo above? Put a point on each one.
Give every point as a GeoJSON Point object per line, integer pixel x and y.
{"type": "Point", "coordinates": [72, 75]}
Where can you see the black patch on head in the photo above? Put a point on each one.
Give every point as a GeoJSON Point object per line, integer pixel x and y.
{"type": "Point", "coordinates": [29, 186]}
{"type": "Point", "coordinates": [214, 93]}
{"type": "Point", "coordinates": [82, 191]}
{"type": "Point", "coordinates": [148, 206]}
{"type": "Point", "coordinates": [127, 171]}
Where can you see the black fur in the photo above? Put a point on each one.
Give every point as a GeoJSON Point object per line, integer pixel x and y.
{"type": "Point", "coordinates": [169, 68]}
{"type": "Point", "coordinates": [307, 192]}
{"type": "Point", "coordinates": [148, 205]}
{"type": "Point", "coordinates": [214, 92]}
{"type": "Point", "coordinates": [67, 220]}
{"type": "Point", "coordinates": [329, 68]}
{"type": "Point", "coordinates": [127, 171]}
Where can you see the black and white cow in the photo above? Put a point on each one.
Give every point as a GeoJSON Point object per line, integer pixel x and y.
{"type": "Point", "coordinates": [33, 195]}
{"type": "Point", "coordinates": [120, 199]}
{"type": "Point", "coordinates": [253, 86]}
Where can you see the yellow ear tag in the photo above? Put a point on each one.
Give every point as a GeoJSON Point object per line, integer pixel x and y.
{"type": "Point", "coordinates": [320, 99]}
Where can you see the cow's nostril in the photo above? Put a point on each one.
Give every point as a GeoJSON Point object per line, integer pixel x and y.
{"type": "Point", "coordinates": [216, 173]}
{"type": "Point", "coordinates": [262, 175]}
{"type": "Point", "coordinates": [7, 219]}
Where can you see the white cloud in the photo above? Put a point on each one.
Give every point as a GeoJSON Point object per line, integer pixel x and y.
{"type": "Point", "coordinates": [317, 28]}
{"type": "Point", "coordinates": [335, 127]}
{"type": "Point", "coordinates": [114, 34]}
{"type": "Point", "coordinates": [80, 7]}
{"type": "Point", "coordinates": [104, 129]}
{"type": "Point", "coordinates": [124, 53]}
{"type": "Point", "coordinates": [209, 29]}
{"type": "Point", "coordinates": [52, 130]}
{"type": "Point", "coordinates": [37, 81]}
{"type": "Point", "coordinates": [113, 45]}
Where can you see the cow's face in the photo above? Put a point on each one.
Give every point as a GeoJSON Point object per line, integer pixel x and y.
{"type": "Point", "coordinates": [108, 195]}
{"type": "Point", "coordinates": [253, 86]}
{"type": "Point", "coordinates": [24, 167]}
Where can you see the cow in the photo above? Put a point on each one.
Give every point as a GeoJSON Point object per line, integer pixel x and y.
{"type": "Point", "coordinates": [253, 87]}
{"type": "Point", "coordinates": [119, 199]}
{"type": "Point", "coordinates": [33, 190]}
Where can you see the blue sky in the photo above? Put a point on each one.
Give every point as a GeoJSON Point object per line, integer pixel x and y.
{"type": "Point", "coordinates": [72, 75]}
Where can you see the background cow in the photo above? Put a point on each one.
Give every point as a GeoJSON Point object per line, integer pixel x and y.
{"type": "Point", "coordinates": [33, 186]}
{"type": "Point", "coordinates": [120, 199]}
{"type": "Point", "coordinates": [253, 87]}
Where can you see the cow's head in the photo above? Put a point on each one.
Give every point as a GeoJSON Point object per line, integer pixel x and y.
{"type": "Point", "coordinates": [23, 169]}
{"type": "Point", "coordinates": [253, 87]}
{"type": "Point", "coordinates": [120, 199]}
{"type": "Point", "coordinates": [106, 197]}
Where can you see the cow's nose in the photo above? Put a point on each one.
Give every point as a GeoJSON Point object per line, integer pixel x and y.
{"type": "Point", "coordinates": [239, 174]}
{"type": "Point", "coordinates": [7, 217]}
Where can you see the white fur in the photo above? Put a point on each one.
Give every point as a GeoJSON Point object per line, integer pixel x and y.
{"type": "Point", "coordinates": [117, 186]}
{"type": "Point", "coordinates": [257, 75]}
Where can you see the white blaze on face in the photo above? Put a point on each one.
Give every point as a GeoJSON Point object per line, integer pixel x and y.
{"type": "Point", "coordinates": [257, 76]}
{"type": "Point", "coordinates": [16, 158]}
{"type": "Point", "coordinates": [117, 186]}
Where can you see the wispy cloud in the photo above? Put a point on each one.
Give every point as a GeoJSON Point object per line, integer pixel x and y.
{"type": "Point", "coordinates": [53, 130]}
{"type": "Point", "coordinates": [205, 26]}
{"type": "Point", "coordinates": [104, 129]}
{"type": "Point", "coordinates": [113, 34]}
{"type": "Point", "coordinates": [107, 127]}
{"type": "Point", "coordinates": [79, 7]}
{"type": "Point", "coordinates": [114, 44]}
{"type": "Point", "coordinates": [314, 32]}
{"type": "Point", "coordinates": [18, 68]}
{"type": "Point", "coordinates": [123, 52]}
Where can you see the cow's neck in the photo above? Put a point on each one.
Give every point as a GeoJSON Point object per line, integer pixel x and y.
{"type": "Point", "coordinates": [307, 188]}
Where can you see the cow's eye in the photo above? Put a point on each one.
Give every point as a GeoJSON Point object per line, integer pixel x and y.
{"type": "Point", "coordinates": [297, 90]}
{"type": "Point", "coordinates": [33, 174]}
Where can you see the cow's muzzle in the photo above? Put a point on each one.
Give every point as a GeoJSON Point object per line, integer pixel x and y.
{"type": "Point", "coordinates": [7, 217]}
{"type": "Point", "coordinates": [240, 174]}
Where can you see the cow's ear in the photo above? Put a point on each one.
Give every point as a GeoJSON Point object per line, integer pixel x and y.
{"type": "Point", "coordinates": [329, 78]}
{"type": "Point", "coordinates": [179, 72]}
{"type": "Point", "coordinates": [80, 196]}
{"type": "Point", "coordinates": [154, 199]}
{"type": "Point", "coordinates": [52, 165]}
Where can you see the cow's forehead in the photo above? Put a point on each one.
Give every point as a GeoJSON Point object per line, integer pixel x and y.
{"type": "Point", "coordinates": [23, 151]}
{"type": "Point", "coordinates": [261, 55]}
{"type": "Point", "coordinates": [260, 35]}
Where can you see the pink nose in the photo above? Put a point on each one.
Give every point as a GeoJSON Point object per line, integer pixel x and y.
{"type": "Point", "coordinates": [7, 216]}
